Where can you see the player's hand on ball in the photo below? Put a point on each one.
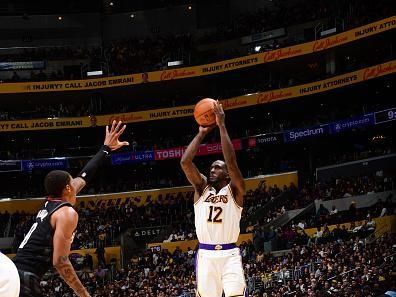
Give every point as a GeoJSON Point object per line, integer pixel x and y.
{"type": "Point", "coordinates": [206, 130]}
{"type": "Point", "coordinates": [219, 112]}
{"type": "Point", "coordinates": [112, 136]}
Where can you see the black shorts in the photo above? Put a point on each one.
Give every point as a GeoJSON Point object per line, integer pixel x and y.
{"type": "Point", "coordinates": [30, 284]}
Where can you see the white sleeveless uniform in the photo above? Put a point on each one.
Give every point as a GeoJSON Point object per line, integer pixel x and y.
{"type": "Point", "coordinates": [217, 218]}
{"type": "Point", "coordinates": [9, 278]}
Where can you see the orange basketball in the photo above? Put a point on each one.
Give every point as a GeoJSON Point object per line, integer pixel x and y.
{"type": "Point", "coordinates": [203, 112]}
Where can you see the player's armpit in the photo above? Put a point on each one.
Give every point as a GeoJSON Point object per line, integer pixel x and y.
{"type": "Point", "coordinates": [238, 190]}
{"type": "Point", "coordinates": [237, 181]}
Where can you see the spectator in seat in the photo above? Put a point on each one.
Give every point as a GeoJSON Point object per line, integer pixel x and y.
{"type": "Point", "coordinates": [89, 261]}
{"type": "Point", "coordinates": [100, 273]}
{"type": "Point", "coordinates": [352, 210]}
{"type": "Point", "coordinates": [172, 237]}
{"type": "Point", "coordinates": [370, 223]}
{"type": "Point", "coordinates": [318, 235]}
{"type": "Point", "coordinates": [334, 210]}
{"type": "Point", "coordinates": [322, 211]}
{"type": "Point", "coordinates": [100, 253]}
{"type": "Point", "coordinates": [337, 232]}
{"type": "Point", "coordinates": [15, 77]}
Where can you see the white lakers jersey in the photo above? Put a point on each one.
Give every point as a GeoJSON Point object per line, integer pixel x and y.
{"type": "Point", "coordinates": [217, 216]}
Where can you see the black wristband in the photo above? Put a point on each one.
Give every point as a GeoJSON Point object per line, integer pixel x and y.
{"type": "Point", "coordinates": [90, 169]}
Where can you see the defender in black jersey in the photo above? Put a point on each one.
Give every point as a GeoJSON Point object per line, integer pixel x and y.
{"type": "Point", "coordinates": [49, 240]}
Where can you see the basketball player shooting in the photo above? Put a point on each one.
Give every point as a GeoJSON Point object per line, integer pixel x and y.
{"type": "Point", "coordinates": [218, 205]}
{"type": "Point", "coordinates": [49, 240]}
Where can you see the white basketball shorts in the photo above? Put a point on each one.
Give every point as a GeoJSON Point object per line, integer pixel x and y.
{"type": "Point", "coordinates": [9, 278]}
{"type": "Point", "coordinates": [218, 271]}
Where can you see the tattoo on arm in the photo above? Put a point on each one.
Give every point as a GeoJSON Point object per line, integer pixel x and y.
{"type": "Point", "coordinates": [67, 272]}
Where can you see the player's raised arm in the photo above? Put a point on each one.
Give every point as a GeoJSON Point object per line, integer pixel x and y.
{"type": "Point", "coordinates": [65, 221]}
{"type": "Point", "coordinates": [237, 181]}
{"type": "Point", "coordinates": [111, 143]}
{"type": "Point", "coordinates": [191, 171]}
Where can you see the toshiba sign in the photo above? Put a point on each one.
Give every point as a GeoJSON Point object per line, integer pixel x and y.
{"type": "Point", "coordinates": [204, 149]}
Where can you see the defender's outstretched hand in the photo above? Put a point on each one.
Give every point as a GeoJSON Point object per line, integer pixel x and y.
{"type": "Point", "coordinates": [112, 136]}
{"type": "Point", "coordinates": [219, 112]}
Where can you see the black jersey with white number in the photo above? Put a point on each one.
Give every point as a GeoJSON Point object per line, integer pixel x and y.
{"type": "Point", "coordinates": [35, 252]}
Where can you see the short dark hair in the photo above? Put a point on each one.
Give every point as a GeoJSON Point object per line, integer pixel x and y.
{"type": "Point", "coordinates": [223, 163]}
{"type": "Point", "coordinates": [55, 182]}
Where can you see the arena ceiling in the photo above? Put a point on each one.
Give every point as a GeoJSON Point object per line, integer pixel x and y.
{"type": "Point", "coordinates": [28, 7]}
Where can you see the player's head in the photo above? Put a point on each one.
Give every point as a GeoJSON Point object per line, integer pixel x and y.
{"type": "Point", "coordinates": [58, 184]}
{"type": "Point", "coordinates": [218, 173]}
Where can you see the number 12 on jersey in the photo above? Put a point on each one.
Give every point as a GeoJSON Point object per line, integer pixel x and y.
{"type": "Point", "coordinates": [214, 214]}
